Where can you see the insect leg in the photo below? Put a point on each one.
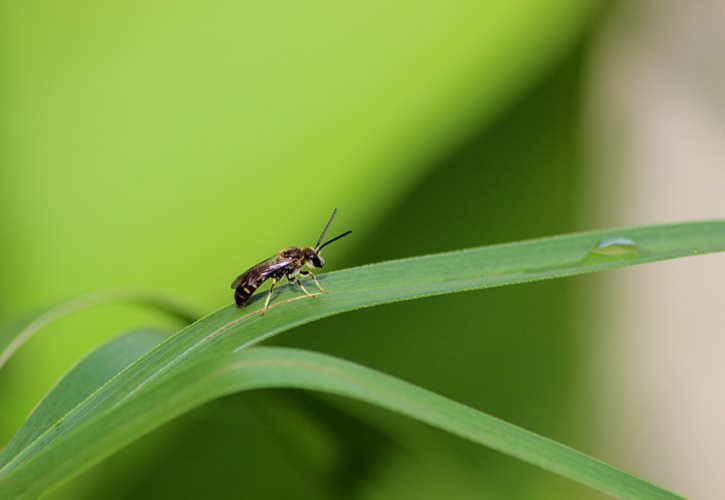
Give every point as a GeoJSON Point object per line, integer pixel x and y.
{"type": "Point", "coordinates": [294, 280]}
{"type": "Point", "coordinates": [314, 278]}
{"type": "Point", "coordinates": [269, 296]}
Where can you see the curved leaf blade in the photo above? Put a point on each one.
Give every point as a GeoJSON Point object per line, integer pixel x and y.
{"type": "Point", "coordinates": [81, 381]}
{"type": "Point", "coordinates": [268, 367]}
{"type": "Point", "coordinates": [230, 328]}
{"type": "Point", "coordinates": [16, 334]}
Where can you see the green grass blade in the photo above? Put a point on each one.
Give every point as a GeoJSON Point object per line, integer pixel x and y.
{"type": "Point", "coordinates": [267, 367]}
{"type": "Point", "coordinates": [230, 328]}
{"type": "Point", "coordinates": [16, 334]}
{"type": "Point", "coordinates": [80, 382]}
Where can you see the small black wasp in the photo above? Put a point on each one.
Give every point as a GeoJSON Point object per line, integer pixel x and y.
{"type": "Point", "coordinates": [287, 262]}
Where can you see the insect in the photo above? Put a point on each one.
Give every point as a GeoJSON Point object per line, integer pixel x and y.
{"type": "Point", "coordinates": [286, 263]}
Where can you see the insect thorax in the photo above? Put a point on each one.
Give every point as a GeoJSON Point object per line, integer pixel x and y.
{"type": "Point", "coordinates": [292, 253]}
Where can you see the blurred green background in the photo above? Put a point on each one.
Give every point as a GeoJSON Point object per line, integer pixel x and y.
{"type": "Point", "coordinates": [167, 146]}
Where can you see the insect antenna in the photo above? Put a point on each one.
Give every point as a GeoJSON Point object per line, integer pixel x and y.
{"type": "Point", "coordinates": [324, 231]}
{"type": "Point", "coordinates": [319, 248]}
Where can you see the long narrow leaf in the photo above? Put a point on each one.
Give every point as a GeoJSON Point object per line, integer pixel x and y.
{"type": "Point", "coordinates": [16, 334]}
{"type": "Point", "coordinates": [265, 367]}
{"type": "Point", "coordinates": [229, 328]}
{"type": "Point", "coordinates": [81, 381]}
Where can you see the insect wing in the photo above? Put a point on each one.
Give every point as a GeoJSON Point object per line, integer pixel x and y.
{"type": "Point", "coordinates": [261, 271]}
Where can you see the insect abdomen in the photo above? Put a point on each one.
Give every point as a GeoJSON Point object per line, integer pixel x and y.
{"type": "Point", "coordinates": [244, 291]}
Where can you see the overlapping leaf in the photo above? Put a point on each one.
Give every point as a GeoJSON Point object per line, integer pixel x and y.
{"type": "Point", "coordinates": [137, 399]}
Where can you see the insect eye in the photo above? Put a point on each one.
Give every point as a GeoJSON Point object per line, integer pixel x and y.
{"type": "Point", "coordinates": [317, 261]}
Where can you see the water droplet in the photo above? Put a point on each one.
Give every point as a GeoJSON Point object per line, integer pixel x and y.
{"type": "Point", "coordinates": [613, 249]}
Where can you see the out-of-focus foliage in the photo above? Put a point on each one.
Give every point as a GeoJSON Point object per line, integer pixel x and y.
{"type": "Point", "coordinates": [169, 145]}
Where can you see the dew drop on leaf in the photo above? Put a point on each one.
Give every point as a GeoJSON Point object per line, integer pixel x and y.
{"type": "Point", "coordinates": [616, 248]}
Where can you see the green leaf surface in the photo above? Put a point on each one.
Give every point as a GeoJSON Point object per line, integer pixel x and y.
{"type": "Point", "coordinates": [81, 381]}
{"type": "Point", "coordinates": [124, 399]}
{"type": "Point", "coordinates": [16, 334]}
{"type": "Point", "coordinates": [271, 367]}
